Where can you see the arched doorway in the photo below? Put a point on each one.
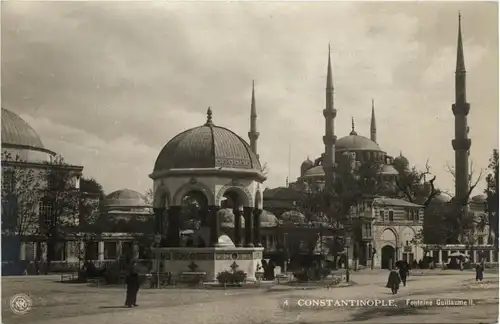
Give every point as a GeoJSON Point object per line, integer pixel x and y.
{"type": "Point", "coordinates": [387, 258]}
{"type": "Point", "coordinates": [193, 216]}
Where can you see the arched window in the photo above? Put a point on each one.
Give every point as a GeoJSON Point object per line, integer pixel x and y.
{"type": "Point", "coordinates": [46, 212]}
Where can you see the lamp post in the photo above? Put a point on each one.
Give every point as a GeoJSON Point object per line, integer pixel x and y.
{"type": "Point", "coordinates": [347, 244]}
{"type": "Point", "coordinates": [157, 257]}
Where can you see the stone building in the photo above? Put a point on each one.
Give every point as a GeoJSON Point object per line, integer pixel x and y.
{"type": "Point", "coordinates": [27, 207]}
{"type": "Point", "coordinates": [392, 232]}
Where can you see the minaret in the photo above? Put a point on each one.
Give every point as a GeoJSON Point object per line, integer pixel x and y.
{"type": "Point", "coordinates": [461, 144]}
{"type": "Point", "coordinates": [329, 139]}
{"type": "Point", "coordinates": [373, 124]}
{"type": "Point", "coordinates": [253, 135]}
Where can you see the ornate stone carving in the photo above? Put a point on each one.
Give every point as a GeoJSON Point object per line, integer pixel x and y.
{"type": "Point", "coordinates": [244, 189]}
{"type": "Point", "coordinates": [187, 256]}
{"type": "Point", "coordinates": [234, 256]}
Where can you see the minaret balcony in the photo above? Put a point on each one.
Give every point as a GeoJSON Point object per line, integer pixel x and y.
{"type": "Point", "coordinates": [461, 109]}
{"type": "Point", "coordinates": [461, 144]}
{"type": "Point", "coordinates": [253, 135]}
{"type": "Point", "coordinates": [329, 139]}
{"type": "Point", "coordinates": [330, 113]}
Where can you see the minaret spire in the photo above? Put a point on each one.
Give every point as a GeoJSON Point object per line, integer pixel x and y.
{"type": "Point", "coordinates": [460, 47]}
{"type": "Point", "coordinates": [329, 139]}
{"type": "Point", "coordinates": [461, 144]}
{"type": "Point", "coordinates": [353, 131]}
{"type": "Point", "coordinates": [209, 116]}
{"type": "Point", "coordinates": [373, 124]}
{"type": "Point", "coordinates": [253, 135]}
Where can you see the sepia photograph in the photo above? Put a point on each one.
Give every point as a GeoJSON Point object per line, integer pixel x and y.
{"type": "Point", "coordinates": [222, 162]}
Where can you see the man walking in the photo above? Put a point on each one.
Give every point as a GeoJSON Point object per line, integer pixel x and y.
{"type": "Point", "coordinates": [132, 281]}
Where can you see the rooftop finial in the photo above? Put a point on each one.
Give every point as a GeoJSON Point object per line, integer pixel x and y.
{"type": "Point", "coordinates": [401, 153]}
{"type": "Point", "coordinates": [460, 50]}
{"type": "Point", "coordinates": [209, 116]}
{"type": "Point", "coordinates": [353, 132]}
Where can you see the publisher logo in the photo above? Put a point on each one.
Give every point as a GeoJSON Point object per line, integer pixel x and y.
{"type": "Point", "coordinates": [20, 304]}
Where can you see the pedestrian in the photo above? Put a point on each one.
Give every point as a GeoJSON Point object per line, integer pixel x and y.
{"type": "Point", "coordinates": [393, 281]}
{"type": "Point", "coordinates": [132, 281]}
{"type": "Point", "coordinates": [479, 272]}
{"type": "Point", "coordinates": [403, 273]}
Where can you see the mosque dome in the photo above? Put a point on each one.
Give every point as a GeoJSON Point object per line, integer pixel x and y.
{"type": "Point", "coordinates": [16, 131]}
{"type": "Point", "coordinates": [293, 216]}
{"type": "Point", "coordinates": [125, 198]}
{"type": "Point", "coordinates": [21, 141]}
{"type": "Point", "coordinates": [207, 146]}
{"type": "Point", "coordinates": [354, 142]}
{"type": "Point", "coordinates": [268, 219]}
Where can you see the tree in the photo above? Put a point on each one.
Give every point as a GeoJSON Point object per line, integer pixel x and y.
{"type": "Point", "coordinates": [149, 197]}
{"type": "Point", "coordinates": [21, 194]}
{"type": "Point", "coordinates": [60, 206]}
{"type": "Point", "coordinates": [413, 184]}
{"type": "Point", "coordinates": [91, 203]}
{"type": "Point", "coordinates": [459, 225]}
{"type": "Point", "coordinates": [492, 196]}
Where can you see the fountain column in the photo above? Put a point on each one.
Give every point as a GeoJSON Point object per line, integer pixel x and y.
{"type": "Point", "coordinates": [256, 226]}
{"type": "Point", "coordinates": [173, 228]}
{"type": "Point", "coordinates": [159, 212]}
{"type": "Point", "coordinates": [214, 222]}
{"type": "Point", "coordinates": [248, 214]}
{"type": "Point", "coordinates": [237, 226]}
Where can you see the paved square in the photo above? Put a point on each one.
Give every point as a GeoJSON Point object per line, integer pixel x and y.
{"type": "Point", "coordinates": [56, 303]}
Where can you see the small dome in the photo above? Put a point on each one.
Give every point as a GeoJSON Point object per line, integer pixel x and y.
{"type": "Point", "coordinates": [356, 143]}
{"type": "Point", "coordinates": [388, 169]}
{"type": "Point", "coordinates": [307, 163]}
{"type": "Point", "coordinates": [293, 216]}
{"type": "Point", "coordinates": [207, 146]}
{"type": "Point", "coordinates": [268, 219]}
{"type": "Point", "coordinates": [401, 160]}
{"type": "Point", "coordinates": [316, 171]}
{"type": "Point", "coordinates": [125, 198]}
{"type": "Point", "coordinates": [16, 131]}
{"type": "Point", "coordinates": [479, 198]}
{"type": "Point", "coordinates": [226, 218]}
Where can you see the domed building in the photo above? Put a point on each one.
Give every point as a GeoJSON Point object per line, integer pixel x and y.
{"type": "Point", "coordinates": [27, 163]}
{"type": "Point", "coordinates": [215, 166]}
{"type": "Point", "coordinates": [126, 201]}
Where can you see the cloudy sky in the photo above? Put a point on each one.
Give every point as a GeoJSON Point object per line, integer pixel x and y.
{"type": "Point", "coordinates": [107, 84]}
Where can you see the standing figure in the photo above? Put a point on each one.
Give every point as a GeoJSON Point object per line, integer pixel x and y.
{"type": "Point", "coordinates": [132, 281]}
{"type": "Point", "coordinates": [479, 272]}
{"type": "Point", "coordinates": [269, 272]}
{"type": "Point", "coordinates": [403, 272]}
{"type": "Point", "coordinates": [393, 281]}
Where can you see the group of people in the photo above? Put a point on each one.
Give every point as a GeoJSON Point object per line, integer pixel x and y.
{"type": "Point", "coordinates": [400, 272]}
{"type": "Point", "coordinates": [398, 275]}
